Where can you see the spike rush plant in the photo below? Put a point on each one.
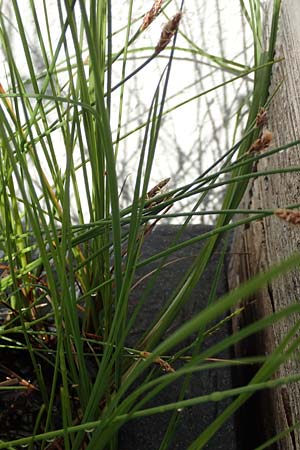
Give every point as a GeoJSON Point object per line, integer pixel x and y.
{"type": "Point", "coordinates": [70, 253]}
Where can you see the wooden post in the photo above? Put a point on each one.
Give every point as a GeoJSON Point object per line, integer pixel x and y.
{"type": "Point", "coordinates": [262, 244]}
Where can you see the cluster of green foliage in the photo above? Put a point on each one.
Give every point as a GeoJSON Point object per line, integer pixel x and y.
{"type": "Point", "coordinates": [65, 284]}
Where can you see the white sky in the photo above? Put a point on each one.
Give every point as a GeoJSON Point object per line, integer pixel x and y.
{"type": "Point", "coordinates": [195, 135]}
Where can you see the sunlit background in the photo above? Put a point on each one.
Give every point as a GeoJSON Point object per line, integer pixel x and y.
{"type": "Point", "coordinates": [213, 47]}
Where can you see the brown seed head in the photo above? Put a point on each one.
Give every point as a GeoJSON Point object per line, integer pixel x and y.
{"type": "Point", "coordinates": [261, 118]}
{"type": "Point", "coordinates": [262, 143]}
{"type": "Point", "coordinates": [150, 16]}
{"type": "Point", "coordinates": [288, 215]}
{"type": "Point", "coordinates": [166, 367]}
{"type": "Point", "coordinates": [266, 138]}
{"type": "Point", "coordinates": [157, 189]}
{"type": "Point", "coordinates": [168, 32]}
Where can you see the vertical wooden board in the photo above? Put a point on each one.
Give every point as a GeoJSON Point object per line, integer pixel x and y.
{"type": "Point", "coordinates": [272, 240]}
{"type": "Point", "coordinates": [284, 189]}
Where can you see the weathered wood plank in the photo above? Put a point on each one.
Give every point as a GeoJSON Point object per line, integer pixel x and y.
{"type": "Point", "coordinates": [266, 242]}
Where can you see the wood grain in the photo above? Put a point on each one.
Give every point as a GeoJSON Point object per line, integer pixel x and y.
{"type": "Point", "coordinates": [271, 240]}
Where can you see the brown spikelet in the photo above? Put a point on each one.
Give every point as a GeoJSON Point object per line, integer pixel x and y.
{"type": "Point", "coordinates": [262, 143]}
{"type": "Point", "coordinates": [261, 118]}
{"type": "Point", "coordinates": [150, 15]}
{"type": "Point", "coordinates": [168, 32]}
{"type": "Point", "coordinates": [157, 189]}
{"type": "Point", "coordinates": [288, 215]}
{"type": "Point", "coordinates": [166, 367]}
